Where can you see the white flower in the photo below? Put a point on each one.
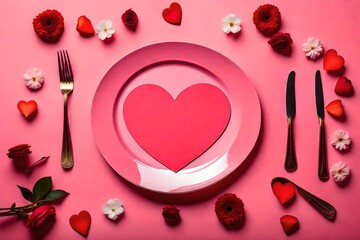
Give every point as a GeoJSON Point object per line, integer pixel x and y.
{"type": "Point", "coordinates": [231, 23]}
{"type": "Point", "coordinates": [113, 208]}
{"type": "Point", "coordinates": [104, 29]}
{"type": "Point", "coordinates": [340, 171]}
{"type": "Point", "coordinates": [312, 48]}
{"type": "Point", "coordinates": [34, 78]}
{"type": "Point", "coordinates": [340, 140]}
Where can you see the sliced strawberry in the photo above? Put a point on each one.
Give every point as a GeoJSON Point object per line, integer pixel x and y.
{"type": "Point", "coordinates": [344, 87]}
{"type": "Point", "coordinates": [84, 26]}
{"type": "Point", "coordinates": [335, 109]}
{"type": "Point", "coordinates": [333, 61]}
{"type": "Point", "coordinates": [283, 192]}
{"type": "Point", "coordinates": [27, 109]}
{"type": "Point", "coordinates": [289, 223]}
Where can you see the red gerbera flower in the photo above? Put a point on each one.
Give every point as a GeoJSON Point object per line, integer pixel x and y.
{"type": "Point", "coordinates": [267, 19]}
{"type": "Point", "coordinates": [49, 25]}
{"type": "Point", "coordinates": [230, 210]}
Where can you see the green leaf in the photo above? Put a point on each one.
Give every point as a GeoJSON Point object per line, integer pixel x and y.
{"type": "Point", "coordinates": [55, 195]}
{"type": "Point", "coordinates": [42, 187]}
{"type": "Point", "coordinates": [27, 194]}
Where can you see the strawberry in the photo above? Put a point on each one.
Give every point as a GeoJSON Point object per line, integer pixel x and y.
{"type": "Point", "coordinates": [289, 223]}
{"type": "Point", "coordinates": [27, 109]}
{"type": "Point", "coordinates": [335, 109]}
{"type": "Point", "coordinates": [283, 192]}
{"type": "Point", "coordinates": [84, 26]}
{"type": "Point", "coordinates": [333, 61]}
{"type": "Point", "coordinates": [344, 87]}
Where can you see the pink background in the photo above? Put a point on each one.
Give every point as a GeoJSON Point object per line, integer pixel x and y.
{"type": "Point", "coordinates": [92, 182]}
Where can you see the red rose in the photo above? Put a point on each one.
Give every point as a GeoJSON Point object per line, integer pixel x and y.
{"type": "Point", "coordinates": [41, 218]}
{"type": "Point", "coordinates": [130, 19]}
{"type": "Point", "coordinates": [171, 215]}
{"type": "Point", "coordinates": [49, 25]}
{"type": "Point", "coordinates": [20, 156]}
{"type": "Point", "coordinates": [281, 42]}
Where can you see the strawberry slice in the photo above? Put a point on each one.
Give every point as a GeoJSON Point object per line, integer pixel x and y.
{"type": "Point", "coordinates": [289, 223]}
{"type": "Point", "coordinates": [344, 87]}
{"type": "Point", "coordinates": [84, 26]}
{"type": "Point", "coordinates": [335, 109]}
{"type": "Point", "coordinates": [333, 61]}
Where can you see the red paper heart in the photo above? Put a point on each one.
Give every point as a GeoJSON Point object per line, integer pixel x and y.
{"type": "Point", "coordinates": [283, 192]}
{"type": "Point", "coordinates": [335, 109]}
{"type": "Point", "coordinates": [176, 132]}
{"type": "Point", "coordinates": [84, 26]}
{"type": "Point", "coordinates": [81, 223]}
{"type": "Point", "coordinates": [28, 109]}
{"type": "Point", "coordinates": [173, 14]}
{"type": "Point", "coordinates": [333, 61]}
{"type": "Point", "coordinates": [289, 223]}
{"type": "Point", "coordinates": [344, 87]}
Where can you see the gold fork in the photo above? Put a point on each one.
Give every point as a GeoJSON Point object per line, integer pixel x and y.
{"type": "Point", "coordinates": [66, 87]}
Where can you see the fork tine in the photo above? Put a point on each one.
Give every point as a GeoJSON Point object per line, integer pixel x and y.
{"type": "Point", "coordinates": [70, 73]}
{"type": "Point", "coordinates": [60, 66]}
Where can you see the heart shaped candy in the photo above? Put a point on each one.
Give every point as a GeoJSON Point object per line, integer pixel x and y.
{"type": "Point", "coordinates": [335, 109]}
{"type": "Point", "coordinates": [289, 223]}
{"type": "Point", "coordinates": [27, 109]}
{"type": "Point", "coordinates": [344, 87]}
{"type": "Point", "coordinates": [333, 61]}
{"type": "Point", "coordinates": [176, 131]}
{"type": "Point", "coordinates": [173, 14]}
{"type": "Point", "coordinates": [283, 192]}
{"type": "Point", "coordinates": [81, 223]}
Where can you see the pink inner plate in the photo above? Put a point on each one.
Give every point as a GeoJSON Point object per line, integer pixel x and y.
{"type": "Point", "coordinates": [174, 66]}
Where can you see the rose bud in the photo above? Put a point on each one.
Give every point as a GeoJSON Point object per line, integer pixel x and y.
{"type": "Point", "coordinates": [281, 42]}
{"type": "Point", "coordinates": [171, 215]}
{"type": "Point", "coordinates": [20, 156]}
{"type": "Point", "coordinates": [130, 19]}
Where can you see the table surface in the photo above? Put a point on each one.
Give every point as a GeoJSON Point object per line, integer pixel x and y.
{"type": "Point", "coordinates": [92, 181]}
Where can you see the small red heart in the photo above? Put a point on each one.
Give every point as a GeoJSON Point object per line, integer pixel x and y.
{"type": "Point", "coordinates": [289, 223]}
{"type": "Point", "coordinates": [333, 61]}
{"type": "Point", "coordinates": [28, 109]}
{"type": "Point", "coordinates": [344, 87]}
{"type": "Point", "coordinates": [283, 192]}
{"type": "Point", "coordinates": [84, 26]}
{"type": "Point", "coordinates": [335, 109]}
{"type": "Point", "coordinates": [81, 223]}
{"type": "Point", "coordinates": [173, 14]}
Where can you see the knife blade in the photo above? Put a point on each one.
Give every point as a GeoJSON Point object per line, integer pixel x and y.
{"type": "Point", "coordinates": [290, 96]}
{"type": "Point", "coordinates": [323, 172]}
{"type": "Point", "coordinates": [290, 157]}
{"type": "Point", "coordinates": [319, 95]}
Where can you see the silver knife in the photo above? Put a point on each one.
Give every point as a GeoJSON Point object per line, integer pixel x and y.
{"type": "Point", "coordinates": [323, 172]}
{"type": "Point", "coordinates": [290, 157]}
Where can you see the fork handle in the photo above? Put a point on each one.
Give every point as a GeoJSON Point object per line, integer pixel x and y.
{"type": "Point", "coordinates": [67, 160]}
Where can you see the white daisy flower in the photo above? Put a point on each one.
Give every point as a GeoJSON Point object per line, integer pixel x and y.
{"type": "Point", "coordinates": [340, 171]}
{"type": "Point", "coordinates": [113, 208]}
{"type": "Point", "coordinates": [104, 29]}
{"type": "Point", "coordinates": [340, 140]}
{"type": "Point", "coordinates": [312, 48]}
{"type": "Point", "coordinates": [34, 78]}
{"type": "Point", "coordinates": [231, 23]}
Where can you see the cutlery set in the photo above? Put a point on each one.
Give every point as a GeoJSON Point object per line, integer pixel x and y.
{"type": "Point", "coordinates": [290, 157]}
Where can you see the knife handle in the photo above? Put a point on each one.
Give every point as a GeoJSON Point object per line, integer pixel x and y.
{"type": "Point", "coordinates": [290, 157]}
{"type": "Point", "coordinates": [323, 172]}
